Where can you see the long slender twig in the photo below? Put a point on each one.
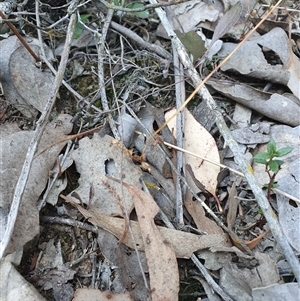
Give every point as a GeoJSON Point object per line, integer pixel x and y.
{"type": "Point", "coordinates": [15, 31]}
{"type": "Point", "coordinates": [41, 125]}
{"type": "Point", "coordinates": [143, 44]}
{"type": "Point", "coordinates": [140, 9]}
{"type": "Point", "coordinates": [101, 82]}
{"type": "Point", "coordinates": [229, 140]}
{"type": "Point", "coordinates": [180, 96]}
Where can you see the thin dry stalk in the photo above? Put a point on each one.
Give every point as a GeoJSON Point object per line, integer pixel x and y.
{"type": "Point", "coordinates": [180, 96]}
{"type": "Point", "coordinates": [101, 50]}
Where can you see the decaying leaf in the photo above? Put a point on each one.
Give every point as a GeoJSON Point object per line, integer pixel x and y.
{"type": "Point", "coordinates": [151, 116]}
{"type": "Point", "coordinates": [250, 60]}
{"type": "Point", "coordinates": [240, 281]}
{"type": "Point", "coordinates": [161, 259]}
{"type": "Point", "coordinates": [95, 158]}
{"type": "Point", "coordinates": [193, 44]}
{"type": "Point", "coordinates": [24, 84]}
{"type": "Point", "coordinates": [289, 211]}
{"type": "Point", "coordinates": [286, 291]}
{"type": "Point", "coordinates": [199, 141]}
{"type": "Point", "coordinates": [14, 287]}
{"type": "Point", "coordinates": [184, 244]}
{"type": "Point", "coordinates": [252, 243]}
{"type": "Point", "coordinates": [202, 222]}
{"type": "Point", "coordinates": [226, 22]}
{"type": "Point", "coordinates": [270, 105]}
{"type": "Point", "coordinates": [13, 150]}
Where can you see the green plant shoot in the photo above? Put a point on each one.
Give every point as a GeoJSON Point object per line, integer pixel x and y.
{"type": "Point", "coordinates": [272, 164]}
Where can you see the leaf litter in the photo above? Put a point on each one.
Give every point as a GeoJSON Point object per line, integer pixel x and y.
{"type": "Point", "coordinates": [131, 255]}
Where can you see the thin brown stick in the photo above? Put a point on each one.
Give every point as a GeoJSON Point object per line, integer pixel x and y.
{"type": "Point", "coordinates": [22, 40]}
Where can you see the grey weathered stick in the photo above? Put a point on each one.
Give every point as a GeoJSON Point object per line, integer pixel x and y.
{"type": "Point", "coordinates": [101, 82]}
{"type": "Point", "coordinates": [245, 167]}
{"type": "Point", "coordinates": [40, 127]}
{"type": "Point", "coordinates": [180, 97]}
{"type": "Point", "coordinates": [143, 44]}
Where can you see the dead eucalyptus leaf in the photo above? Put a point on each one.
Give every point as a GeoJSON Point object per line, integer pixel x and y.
{"type": "Point", "coordinates": [161, 259]}
{"type": "Point", "coordinates": [184, 243]}
{"type": "Point", "coordinates": [198, 141]}
{"type": "Point", "coordinates": [226, 22]}
{"type": "Point", "coordinates": [13, 150]}
{"type": "Point", "coordinates": [95, 158]}
{"type": "Point", "coordinates": [25, 85]}
{"type": "Point", "coordinates": [252, 243]}
{"type": "Point", "coordinates": [249, 60]}
{"type": "Point", "coordinates": [275, 106]}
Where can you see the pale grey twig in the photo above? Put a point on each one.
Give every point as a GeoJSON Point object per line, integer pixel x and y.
{"type": "Point", "coordinates": [209, 279]}
{"type": "Point", "coordinates": [143, 44]}
{"type": "Point", "coordinates": [40, 127]}
{"type": "Point", "coordinates": [229, 140]}
{"type": "Point", "coordinates": [148, 6]}
{"type": "Point", "coordinates": [180, 97]}
{"type": "Point", "coordinates": [101, 83]}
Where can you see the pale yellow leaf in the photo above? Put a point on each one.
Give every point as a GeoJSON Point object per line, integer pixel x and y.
{"type": "Point", "coordinates": [199, 141]}
{"type": "Point", "coordinates": [161, 259]}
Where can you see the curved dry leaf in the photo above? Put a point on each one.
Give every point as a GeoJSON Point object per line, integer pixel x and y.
{"type": "Point", "coordinates": [199, 141]}
{"type": "Point", "coordinates": [184, 244]}
{"type": "Point", "coordinates": [18, 72]}
{"type": "Point", "coordinates": [161, 259]}
{"type": "Point", "coordinates": [250, 243]}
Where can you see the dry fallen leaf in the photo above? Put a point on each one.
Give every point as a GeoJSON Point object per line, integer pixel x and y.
{"type": "Point", "coordinates": [13, 150]}
{"type": "Point", "coordinates": [18, 72]}
{"type": "Point", "coordinates": [252, 243]}
{"type": "Point", "coordinates": [198, 141]}
{"type": "Point", "coordinates": [161, 259]}
{"type": "Point", "coordinates": [95, 158]}
{"type": "Point", "coordinates": [184, 243]}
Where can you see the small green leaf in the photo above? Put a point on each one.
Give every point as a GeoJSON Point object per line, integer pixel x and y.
{"type": "Point", "coordinates": [78, 27]}
{"type": "Point", "coordinates": [193, 43]}
{"type": "Point", "coordinates": [271, 147]}
{"type": "Point", "coordinates": [283, 151]}
{"type": "Point", "coordinates": [273, 166]}
{"type": "Point", "coordinates": [262, 158]}
{"type": "Point", "coordinates": [278, 162]}
{"type": "Point", "coordinates": [140, 14]}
